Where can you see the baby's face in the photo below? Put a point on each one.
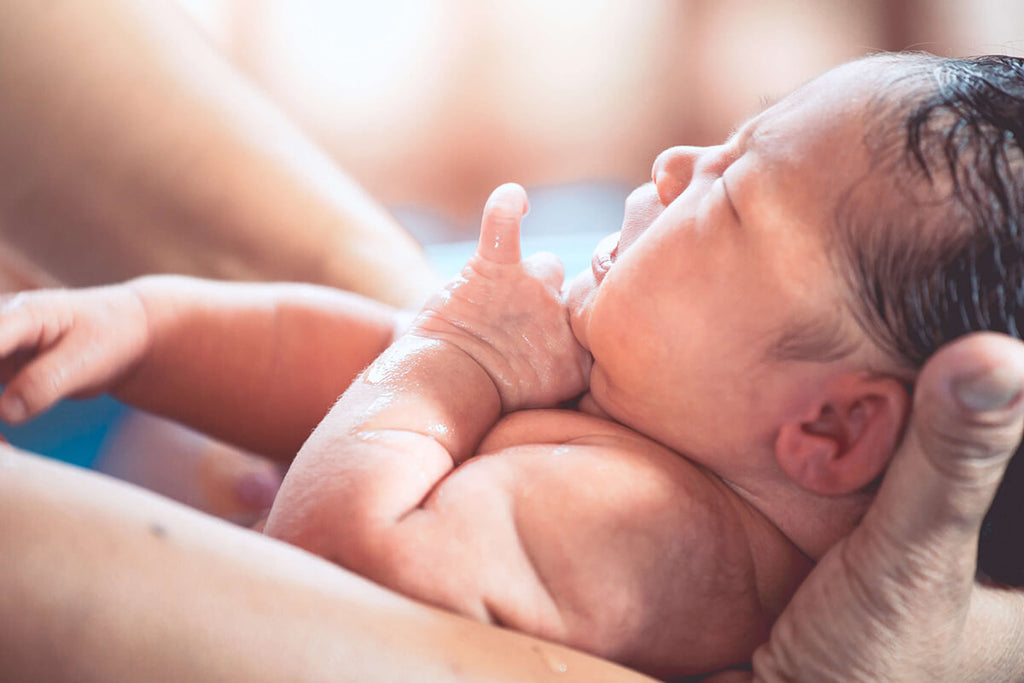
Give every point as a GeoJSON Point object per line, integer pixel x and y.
{"type": "Point", "coordinates": [720, 255]}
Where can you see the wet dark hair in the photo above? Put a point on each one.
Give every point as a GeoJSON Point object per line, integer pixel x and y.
{"type": "Point", "coordinates": [943, 256]}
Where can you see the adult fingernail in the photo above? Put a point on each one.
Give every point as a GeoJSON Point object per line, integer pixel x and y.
{"type": "Point", "coordinates": [991, 390]}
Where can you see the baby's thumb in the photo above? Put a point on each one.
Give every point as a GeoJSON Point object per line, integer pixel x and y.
{"type": "Point", "coordinates": [499, 227]}
{"type": "Point", "coordinates": [965, 426]}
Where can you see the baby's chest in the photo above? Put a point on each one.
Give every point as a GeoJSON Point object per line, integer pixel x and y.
{"type": "Point", "coordinates": [610, 494]}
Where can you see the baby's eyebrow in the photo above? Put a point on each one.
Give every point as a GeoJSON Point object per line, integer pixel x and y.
{"type": "Point", "coordinates": [747, 130]}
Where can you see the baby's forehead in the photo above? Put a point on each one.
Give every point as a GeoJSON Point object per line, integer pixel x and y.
{"type": "Point", "coordinates": [859, 92]}
{"type": "Point", "coordinates": [842, 130]}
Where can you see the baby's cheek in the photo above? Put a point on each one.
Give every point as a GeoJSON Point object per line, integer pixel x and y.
{"type": "Point", "coordinates": [600, 400]}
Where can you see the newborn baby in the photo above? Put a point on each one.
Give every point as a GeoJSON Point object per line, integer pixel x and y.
{"type": "Point", "coordinates": [644, 464]}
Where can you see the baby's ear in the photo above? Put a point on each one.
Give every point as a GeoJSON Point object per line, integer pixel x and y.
{"type": "Point", "coordinates": [851, 434]}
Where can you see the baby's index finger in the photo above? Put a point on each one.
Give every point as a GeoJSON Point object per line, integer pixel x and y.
{"type": "Point", "coordinates": [499, 227]}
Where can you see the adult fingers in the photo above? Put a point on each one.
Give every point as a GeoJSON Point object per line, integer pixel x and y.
{"type": "Point", "coordinates": [499, 228]}
{"type": "Point", "coordinates": [890, 601]}
{"type": "Point", "coordinates": [965, 426]}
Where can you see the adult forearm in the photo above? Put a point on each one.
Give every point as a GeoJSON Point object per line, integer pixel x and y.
{"type": "Point", "coordinates": [105, 582]}
{"type": "Point", "coordinates": [128, 145]}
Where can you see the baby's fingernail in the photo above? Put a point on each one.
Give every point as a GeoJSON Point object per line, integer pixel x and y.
{"type": "Point", "coordinates": [257, 490]}
{"type": "Point", "coordinates": [991, 390]}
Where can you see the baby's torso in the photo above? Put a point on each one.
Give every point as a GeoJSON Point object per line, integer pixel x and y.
{"type": "Point", "coordinates": [650, 559]}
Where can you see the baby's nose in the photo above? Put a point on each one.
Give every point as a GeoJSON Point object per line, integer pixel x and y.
{"type": "Point", "coordinates": [672, 171]}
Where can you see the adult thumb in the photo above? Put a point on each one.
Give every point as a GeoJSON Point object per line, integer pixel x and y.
{"type": "Point", "coordinates": [965, 426]}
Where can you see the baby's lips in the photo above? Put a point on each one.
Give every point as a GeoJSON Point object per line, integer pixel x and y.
{"type": "Point", "coordinates": [604, 255]}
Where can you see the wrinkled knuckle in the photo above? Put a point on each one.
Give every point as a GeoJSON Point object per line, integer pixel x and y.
{"type": "Point", "coordinates": [865, 588]}
{"type": "Point", "coordinates": [959, 444]}
{"type": "Point", "coordinates": [895, 581]}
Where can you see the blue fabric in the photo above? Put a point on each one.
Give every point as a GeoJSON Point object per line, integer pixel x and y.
{"type": "Point", "coordinates": [73, 431]}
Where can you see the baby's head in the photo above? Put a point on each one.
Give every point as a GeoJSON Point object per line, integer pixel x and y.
{"type": "Point", "coordinates": [933, 240]}
{"type": "Point", "coordinates": [955, 144]}
{"type": "Point", "coordinates": [769, 301]}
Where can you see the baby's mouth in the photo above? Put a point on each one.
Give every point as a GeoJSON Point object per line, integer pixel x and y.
{"type": "Point", "coordinates": [642, 208]}
{"type": "Point", "coordinates": [604, 255]}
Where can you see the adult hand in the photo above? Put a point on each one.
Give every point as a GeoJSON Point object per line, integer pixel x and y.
{"type": "Point", "coordinates": [898, 600]}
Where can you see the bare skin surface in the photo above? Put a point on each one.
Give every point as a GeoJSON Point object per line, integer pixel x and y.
{"type": "Point", "coordinates": [108, 582]}
{"type": "Point", "coordinates": [448, 471]}
{"type": "Point", "coordinates": [558, 523]}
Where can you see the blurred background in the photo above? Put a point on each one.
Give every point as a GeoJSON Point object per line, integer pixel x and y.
{"type": "Point", "coordinates": [432, 103]}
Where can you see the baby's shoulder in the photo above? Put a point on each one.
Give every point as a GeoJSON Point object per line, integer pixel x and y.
{"type": "Point", "coordinates": [598, 505]}
{"type": "Point", "coordinates": [597, 465]}
{"type": "Point", "coordinates": [548, 426]}
{"type": "Point", "coordinates": [605, 464]}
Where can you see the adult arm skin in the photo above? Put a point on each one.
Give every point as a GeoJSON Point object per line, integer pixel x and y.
{"type": "Point", "coordinates": [106, 582]}
{"type": "Point", "coordinates": [128, 145]}
{"type": "Point", "coordinates": [898, 599]}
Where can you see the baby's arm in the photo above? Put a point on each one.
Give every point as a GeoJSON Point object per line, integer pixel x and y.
{"type": "Point", "coordinates": [496, 340]}
{"type": "Point", "coordinates": [254, 364]}
{"type": "Point", "coordinates": [589, 535]}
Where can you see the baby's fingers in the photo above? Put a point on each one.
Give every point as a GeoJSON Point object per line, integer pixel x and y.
{"type": "Point", "coordinates": [499, 228]}
{"type": "Point", "coordinates": [59, 372]}
{"type": "Point", "coordinates": [21, 328]}
{"type": "Point", "coordinates": [547, 268]}
{"type": "Point", "coordinates": [30, 392]}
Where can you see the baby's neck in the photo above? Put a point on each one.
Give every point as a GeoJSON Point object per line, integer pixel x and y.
{"type": "Point", "coordinates": [811, 522]}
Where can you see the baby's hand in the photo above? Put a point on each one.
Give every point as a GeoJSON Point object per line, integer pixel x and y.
{"type": "Point", "coordinates": [509, 315]}
{"type": "Point", "coordinates": [66, 343]}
